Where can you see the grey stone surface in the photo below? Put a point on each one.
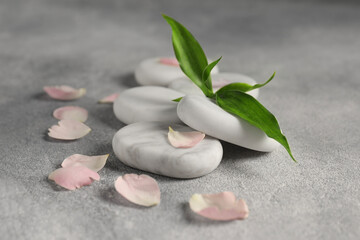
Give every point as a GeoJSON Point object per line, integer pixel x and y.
{"type": "Point", "coordinates": [313, 46]}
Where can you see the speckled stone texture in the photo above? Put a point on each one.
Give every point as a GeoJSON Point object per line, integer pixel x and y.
{"type": "Point", "coordinates": [146, 146]}
{"type": "Point", "coordinates": [313, 46]}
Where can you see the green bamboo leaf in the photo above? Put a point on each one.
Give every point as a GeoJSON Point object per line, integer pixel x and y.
{"type": "Point", "coordinates": [243, 87]}
{"type": "Point", "coordinates": [249, 109]}
{"type": "Point", "coordinates": [206, 78]}
{"type": "Point", "coordinates": [177, 99]}
{"type": "Point", "coordinates": [189, 53]}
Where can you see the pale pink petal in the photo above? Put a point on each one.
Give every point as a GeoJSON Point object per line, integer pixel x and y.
{"type": "Point", "coordinates": [169, 61]}
{"type": "Point", "coordinates": [221, 206]}
{"type": "Point", "coordinates": [140, 189]}
{"type": "Point", "coordinates": [184, 139]}
{"type": "Point", "coordinates": [64, 92]}
{"type": "Point", "coordinates": [95, 163]}
{"type": "Point", "coordinates": [68, 130]}
{"type": "Point", "coordinates": [71, 113]}
{"type": "Point", "coordinates": [74, 177]}
{"type": "Point", "coordinates": [109, 99]}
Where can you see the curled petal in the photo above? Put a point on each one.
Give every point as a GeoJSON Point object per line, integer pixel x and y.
{"type": "Point", "coordinates": [71, 113]}
{"type": "Point", "coordinates": [64, 92]}
{"type": "Point", "coordinates": [109, 99]}
{"type": "Point", "coordinates": [74, 177]}
{"type": "Point", "coordinates": [140, 189]}
{"type": "Point", "coordinates": [94, 163]}
{"type": "Point", "coordinates": [221, 206]}
{"type": "Point", "coordinates": [169, 61]}
{"type": "Point", "coordinates": [68, 130]}
{"type": "Point", "coordinates": [184, 139]}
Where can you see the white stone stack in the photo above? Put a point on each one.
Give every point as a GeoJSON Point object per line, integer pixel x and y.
{"type": "Point", "coordinates": [149, 111]}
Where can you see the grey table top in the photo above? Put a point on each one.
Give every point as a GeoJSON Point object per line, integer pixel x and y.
{"type": "Point", "coordinates": [313, 46]}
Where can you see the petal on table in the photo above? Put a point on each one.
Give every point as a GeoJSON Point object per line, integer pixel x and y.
{"type": "Point", "coordinates": [109, 99]}
{"type": "Point", "coordinates": [68, 130]}
{"type": "Point", "coordinates": [94, 163]}
{"type": "Point", "coordinates": [139, 189]}
{"type": "Point", "coordinates": [221, 206]}
{"type": "Point", "coordinates": [64, 92]}
{"type": "Point", "coordinates": [71, 113]}
{"type": "Point", "coordinates": [74, 177]}
{"type": "Point", "coordinates": [169, 61]}
{"type": "Point", "coordinates": [184, 139]}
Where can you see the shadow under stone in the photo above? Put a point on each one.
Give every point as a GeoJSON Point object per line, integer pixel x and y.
{"type": "Point", "coordinates": [127, 80]}
{"type": "Point", "coordinates": [232, 151]}
{"type": "Point", "coordinates": [102, 148]}
{"type": "Point", "coordinates": [105, 113]}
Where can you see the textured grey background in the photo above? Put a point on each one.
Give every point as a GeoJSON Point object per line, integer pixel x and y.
{"type": "Point", "coordinates": [313, 45]}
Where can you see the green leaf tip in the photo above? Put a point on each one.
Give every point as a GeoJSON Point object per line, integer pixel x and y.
{"type": "Point", "coordinates": [206, 78]}
{"type": "Point", "coordinates": [244, 87]}
{"type": "Point", "coordinates": [177, 99]}
{"type": "Point", "coordinates": [249, 109]}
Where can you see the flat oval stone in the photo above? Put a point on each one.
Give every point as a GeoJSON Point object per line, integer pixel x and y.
{"type": "Point", "coordinates": [145, 146]}
{"type": "Point", "coordinates": [204, 115]}
{"type": "Point", "coordinates": [185, 85]}
{"type": "Point", "coordinates": [153, 72]}
{"type": "Point", "coordinates": [147, 103]}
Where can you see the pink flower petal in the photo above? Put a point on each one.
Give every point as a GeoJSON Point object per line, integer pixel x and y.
{"type": "Point", "coordinates": [64, 92]}
{"type": "Point", "coordinates": [221, 206]}
{"type": "Point", "coordinates": [71, 113]}
{"type": "Point", "coordinates": [169, 61]}
{"type": "Point", "coordinates": [109, 99]}
{"type": "Point", "coordinates": [74, 177]}
{"type": "Point", "coordinates": [140, 189]}
{"type": "Point", "coordinates": [184, 139]}
{"type": "Point", "coordinates": [68, 130]}
{"type": "Point", "coordinates": [94, 163]}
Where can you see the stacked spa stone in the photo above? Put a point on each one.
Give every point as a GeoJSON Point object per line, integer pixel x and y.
{"type": "Point", "coordinates": [149, 111]}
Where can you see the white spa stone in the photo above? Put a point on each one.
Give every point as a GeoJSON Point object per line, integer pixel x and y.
{"type": "Point", "coordinates": [185, 85]}
{"type": "Point", "coordinates": [204, 115]}
{"type": "Point", "coordinates": [145, 146]}
{"type": "Point", "coordinates": [147, 103]}
{"type": "Point", "coordinates": [153, 72]}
